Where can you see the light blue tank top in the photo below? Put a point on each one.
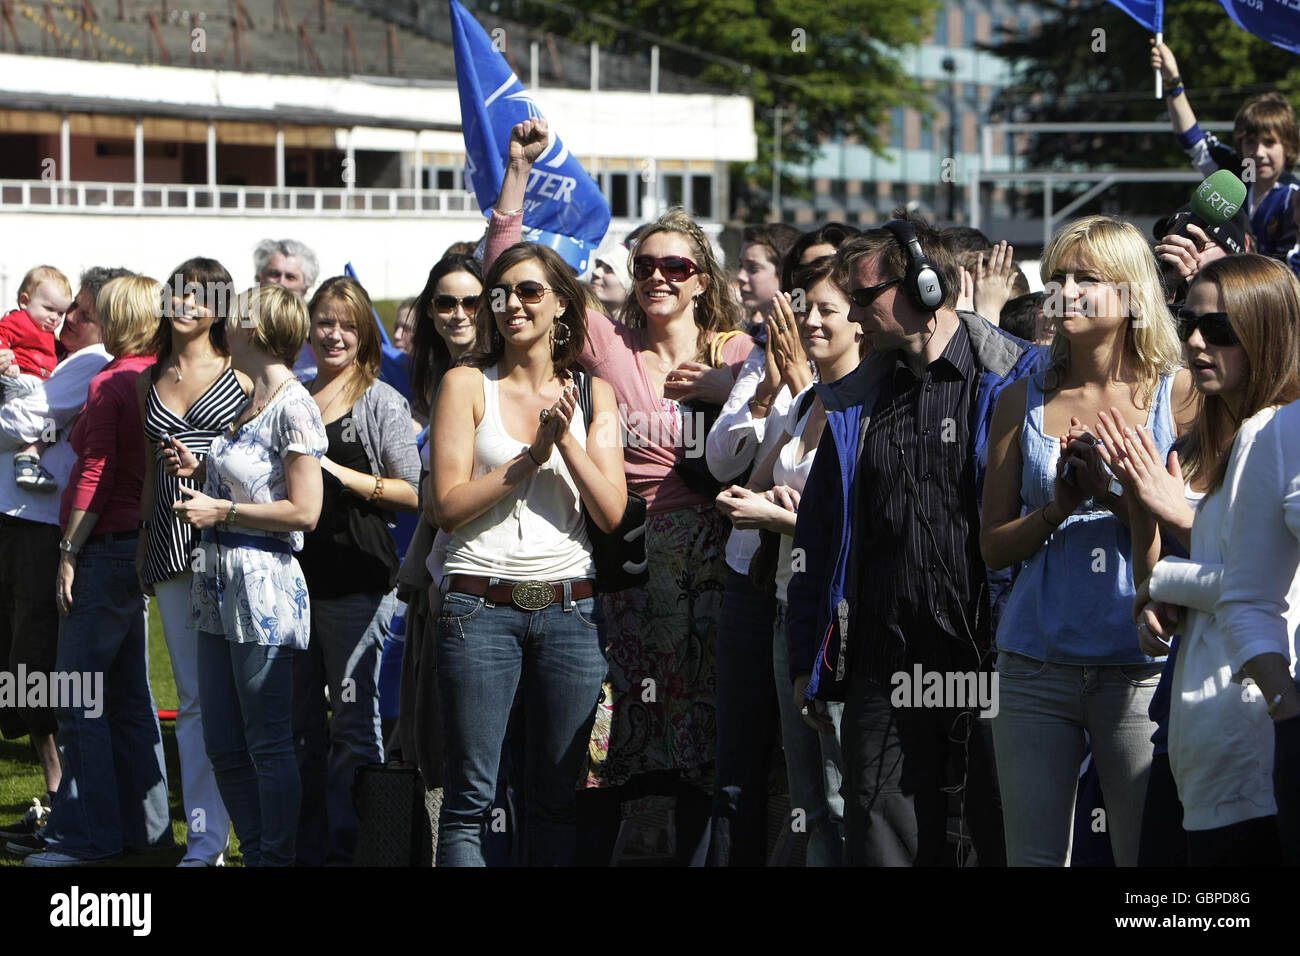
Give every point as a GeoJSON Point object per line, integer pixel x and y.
{"type": "Point", "coordinates": [1072, 601]}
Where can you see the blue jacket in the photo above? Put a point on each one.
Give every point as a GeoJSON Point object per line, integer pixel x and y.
{"type": "Point", "coordinates": [824, 546]}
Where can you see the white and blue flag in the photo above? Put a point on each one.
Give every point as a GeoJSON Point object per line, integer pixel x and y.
{"type": "Point", "coordinates": [563, 205]}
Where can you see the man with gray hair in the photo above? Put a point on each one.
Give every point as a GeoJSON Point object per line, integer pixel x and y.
{"type": "Point", "coordinates": [292, 264]}
{"type": "Point", "coordinates": [29, 523]}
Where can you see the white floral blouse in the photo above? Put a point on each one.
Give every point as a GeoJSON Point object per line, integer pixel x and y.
{"type": "Point", "coordinates": [256, 595]}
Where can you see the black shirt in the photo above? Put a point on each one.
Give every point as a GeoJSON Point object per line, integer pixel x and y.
{"type": "Point", "coordinates": [350, 550]}
{"type": "Point", "coordinates": [921, 587]}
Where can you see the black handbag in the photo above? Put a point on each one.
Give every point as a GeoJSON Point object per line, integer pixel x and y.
{"type": "Point", "coordinates": [620, 554]}
{"type": "Point", "coordinates": [397, 817]}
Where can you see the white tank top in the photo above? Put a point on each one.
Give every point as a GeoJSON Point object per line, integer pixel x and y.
{"type": "Point", "coordinates": [536, 532]}
{"type": "Point", "coordinates": [794, 474]}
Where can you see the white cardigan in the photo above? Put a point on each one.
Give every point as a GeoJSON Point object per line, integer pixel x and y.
{"type": "Point", "coordinates": [1220, 734]}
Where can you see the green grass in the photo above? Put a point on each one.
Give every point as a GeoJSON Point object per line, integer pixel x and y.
{"type": "Point", "coordinates": [21, 778]}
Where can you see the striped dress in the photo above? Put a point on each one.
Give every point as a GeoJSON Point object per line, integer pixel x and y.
{"type": "Point", "coordinates": [171, 544]}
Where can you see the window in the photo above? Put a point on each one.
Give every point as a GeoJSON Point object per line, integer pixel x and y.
{"type": "Point", "coordinates": [444, 179]}
{"type": "Point", "coordinates": [673, 186]}
{"type": "Point", "coordinates": [968, 28]}
{"type": "Point", "coordinates": [702, 196]}
{"type": "Point", "coordinates": [941, 27]}
{"type": "Point", "coordinates": [620, 198]}
{"type": "Point", "coordinates": [896, 127]}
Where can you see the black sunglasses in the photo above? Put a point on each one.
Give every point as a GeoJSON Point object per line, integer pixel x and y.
{"type": "Point", "coordinates": [529, 292]}
{"type": "Point", "coordinates": [448, 303]}
{"type": "Point", "coordinates": [1215, 327]}
{"type": "Point", "coordinates": [866, 295]}
{"type": "Point", "coordinates": [672, 268]}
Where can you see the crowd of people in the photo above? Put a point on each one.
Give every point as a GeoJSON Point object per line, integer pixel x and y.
{"type": "Point", "coordinates": [943, 546]}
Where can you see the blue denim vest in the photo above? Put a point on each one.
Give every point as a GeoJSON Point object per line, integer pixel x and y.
{"type": "Point", "coordinates": [1072, 601]}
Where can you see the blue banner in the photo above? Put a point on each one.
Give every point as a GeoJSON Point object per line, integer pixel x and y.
{"type": "Point", "coordinates": [563, 206]}
{"type": "Point", "coordinates": [1277, 21]}
{"type": "Point", "coordinates": [1149, 13]}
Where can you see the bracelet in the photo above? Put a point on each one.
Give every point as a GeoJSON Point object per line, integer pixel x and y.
{"type": "Point", "coordinates": [1043, 511]}
{"type": "Point", "coordinates": [1176, 91]}
{"type": "Point", "coordinates": [1177, 81]}
{"type": "Point", "coordinates": [509, 212]}
{"type": "Point", "coordinates": [1274, 704]}
{"type": "Point", "coordinates": [144, 524]}
{"type": "Point", "coordinates": [755, 402]}
{"type": "Point", "coordinates": [231, 514]}
{"type": "Point", "coordinates": [379, 488]}
{"type": "Point", "coordinates": [539, 464]}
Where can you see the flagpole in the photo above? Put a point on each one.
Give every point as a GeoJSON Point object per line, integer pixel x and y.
{"type": "Point", "coordinates": [1160, 38]}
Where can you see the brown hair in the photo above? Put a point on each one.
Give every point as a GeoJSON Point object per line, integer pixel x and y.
{"type": "Point", "coordinates": [489, 345]}
{"type": "Point", "coordinates": [776, 238]}
{"type": "Point", "coordinates": [355, 301]}
{"type": "Point", "coordinates": [212, 287]}
{"type": "Point", "coordinates": [1262, 300]}
{"type": "Point", "coordinates": [715, 310]}
{"type": "Point", "coordinates": [894, 259]}
{"type": "Point", "coordinates": [813, 273]}
{"type": "Point", "coordinates": [1269, 113]}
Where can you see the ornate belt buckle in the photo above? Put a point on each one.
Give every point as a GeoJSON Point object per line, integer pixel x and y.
{"type": "Point", "coordinates": [533, 595]}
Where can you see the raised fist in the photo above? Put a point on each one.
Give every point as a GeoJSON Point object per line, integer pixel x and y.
{"type": "Point", "coordinates": [528, 140]}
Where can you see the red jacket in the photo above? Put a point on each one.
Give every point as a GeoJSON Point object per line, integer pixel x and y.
{"type": "Point", "coordinates": [32, 346]}
{"type": "Point", "coordinates": [108, 438]}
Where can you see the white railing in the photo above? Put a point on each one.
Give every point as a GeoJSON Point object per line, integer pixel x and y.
{"type": "Point", "coordinates": [34, 195]}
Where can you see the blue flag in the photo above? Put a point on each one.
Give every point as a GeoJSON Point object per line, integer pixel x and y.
{"type": "Point", "coordinates": [563, 205]}
{"type": "Point", "coordinates": [395, 365]}
{"type": "Point", "coordinates": [1149, 13]}
{"type": "Point", "coordinates": [1277, 21]}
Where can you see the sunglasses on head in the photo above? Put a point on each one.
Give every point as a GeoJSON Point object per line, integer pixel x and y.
{"type": "Point", "coordinates": [672, 268]}
{"type": "Point", "coordinates": [448, 303]}
{"type": "Point", "coordinates": [529, 293]}
{"type": "Point", "coordinates": [1215, 327]}
{"type": "Point", "coordinates": [866, 295]}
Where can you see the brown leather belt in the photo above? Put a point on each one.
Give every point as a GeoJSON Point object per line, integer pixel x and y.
{"type": "Point", "coordinates": [525, 595]}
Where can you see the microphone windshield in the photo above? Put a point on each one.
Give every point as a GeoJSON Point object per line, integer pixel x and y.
{"type": "Point", "coordinates": [1218, 198]}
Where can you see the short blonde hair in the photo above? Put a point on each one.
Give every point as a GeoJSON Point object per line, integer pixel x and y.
{"type": "Point", "coordinates": [31, 282]}
{"type": "Point", "coordinates": [278, 318]}
{"type": "Point", "coordinates": [1117, 252]}
{"type": "Point", "coordinates": [128, 310]}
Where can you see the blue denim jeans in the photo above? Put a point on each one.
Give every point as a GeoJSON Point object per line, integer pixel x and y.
{"type": "Point", "coordinates": [554, 658]}
{"type": "Point", "coordinates": [1039, 737]}
{"type": "Point", "coordinates": [813, 766]}
{"type": "Point", "coordinates": [113, 795]}
{"type": "Point", "coordinates": [747, 725]}
{"type": "Point", "coordinates": [246, 690]}
{"type": "Point", "coordinates": [346, 636]}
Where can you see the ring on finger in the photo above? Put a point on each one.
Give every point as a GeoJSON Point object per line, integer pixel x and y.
{"type": "Point", "coordinates": [545, 415]}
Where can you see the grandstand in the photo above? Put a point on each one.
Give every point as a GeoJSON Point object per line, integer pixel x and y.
{"type": "Point", "coordinates": [243, 118]}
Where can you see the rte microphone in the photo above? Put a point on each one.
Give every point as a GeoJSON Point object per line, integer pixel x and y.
{"type": "Point", "coordinates": [1214, 202]}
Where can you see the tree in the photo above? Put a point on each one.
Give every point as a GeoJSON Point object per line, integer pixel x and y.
{"type": "Point", "coordinates": [831, 67]}
{"type": "Point", "coordinates": [1090, 61]}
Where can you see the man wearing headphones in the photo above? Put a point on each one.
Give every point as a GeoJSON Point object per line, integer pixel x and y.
{"type": "Point", "coordinates": [889, 590]}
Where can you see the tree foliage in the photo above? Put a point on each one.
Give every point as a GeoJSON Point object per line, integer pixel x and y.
{"type": "Point", "coordinates": [833, 68]}
{"type": "Point", "coordinates": [1069, 72]}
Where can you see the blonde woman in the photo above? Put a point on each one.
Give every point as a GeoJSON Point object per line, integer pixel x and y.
{"type": "Point", "coordinates": [261, 492]}
{"type": "Point", "coordinates": [1069, 667]}
{"type": "Point", "coordinates": [113, 795]}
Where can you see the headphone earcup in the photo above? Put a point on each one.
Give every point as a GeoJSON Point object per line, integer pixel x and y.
{"type": "Point", "coordinates": [928, 287]}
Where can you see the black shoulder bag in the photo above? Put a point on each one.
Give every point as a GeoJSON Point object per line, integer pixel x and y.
{"type": "Point", "coordinates": [620, 554]}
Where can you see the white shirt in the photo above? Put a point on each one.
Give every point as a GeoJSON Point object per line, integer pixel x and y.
{"type": "Point", "coordinates": [739, 440]}
{"type": "Point", "coordinates": [50, 407]}
{"type": "Point", "coordinates": [793, 474]}
{"type": "Point", "coordinates": [1220, 734]}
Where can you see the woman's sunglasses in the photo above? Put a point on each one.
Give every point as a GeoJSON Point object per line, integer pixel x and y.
{"type": "Point", "coordinates": [672, 268]}
{"type": "Point", "coordinates": [1215, 327]}
{"type": "Point", "coordinates": [529, 293]}
{"type": "Point", "coordinates": [446, 304]}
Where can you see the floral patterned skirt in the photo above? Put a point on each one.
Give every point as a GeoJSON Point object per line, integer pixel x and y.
{"type": "Point", "coordinates": [658, 712]}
